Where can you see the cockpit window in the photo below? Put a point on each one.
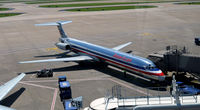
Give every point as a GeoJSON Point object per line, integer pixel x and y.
{"type": "Point", "coordinates": [150, 67]}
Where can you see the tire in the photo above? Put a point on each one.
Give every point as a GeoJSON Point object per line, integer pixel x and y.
{"type": "Point", "coordinates": [51, 75]}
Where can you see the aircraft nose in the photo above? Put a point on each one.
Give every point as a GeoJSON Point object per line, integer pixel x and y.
{"type": "Point", "coordinates": [161, 77]}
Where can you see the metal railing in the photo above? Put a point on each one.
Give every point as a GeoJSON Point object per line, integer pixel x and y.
{"type": "Point", "coordinates": [160, 98]}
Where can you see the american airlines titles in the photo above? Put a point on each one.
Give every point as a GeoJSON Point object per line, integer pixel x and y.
{"type": "Point", "coordinates": [123, 58]}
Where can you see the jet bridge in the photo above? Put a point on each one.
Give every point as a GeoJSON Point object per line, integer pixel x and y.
{"type": "Point", "coordinates": [174, 101]}
{"type": "Point", "coordinates": [142, 103]}
{"type": "Point", "coordinates": [177, 59]}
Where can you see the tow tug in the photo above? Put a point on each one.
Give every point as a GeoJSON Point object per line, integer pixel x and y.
{"type": "Point", "coordinates": [45, 73]}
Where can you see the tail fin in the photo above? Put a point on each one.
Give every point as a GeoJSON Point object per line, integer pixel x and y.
{"type": "Point", "coordinates": [58, 24]}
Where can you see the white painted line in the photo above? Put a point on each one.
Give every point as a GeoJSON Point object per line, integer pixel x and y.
{"type": "Point", "coordinates": [84, 79]}
{"type": "Point", "coordinates": [41, 81]}
{"type": "Point", "coordinates": [135, 89]}
{"type": "Point", "coordinates": [89, 79]}
{"type": "Point", "coordinates": [37, 85]}
{"type": "Point", "coordinates": [32, 76]}
{"type": "Point", "coordinates": [54, 96]}
{"type": "Point", "coordinates": [54, 99]}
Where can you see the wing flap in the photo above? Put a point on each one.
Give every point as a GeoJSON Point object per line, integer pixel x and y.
{"type": "Point", "coordinates": [5, 88]}
{"type": "Point", "coordinates": [122, 46]}
{"type": "Point", "coordinates": [70, 59]}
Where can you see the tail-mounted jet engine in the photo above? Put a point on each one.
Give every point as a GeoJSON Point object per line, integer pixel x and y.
{"type": "Point", "coordinates": [63, 46]}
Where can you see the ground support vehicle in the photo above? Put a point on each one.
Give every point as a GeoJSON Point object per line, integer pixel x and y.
{"type": "Point", "coordinates": [197, 41]}
{"type": "Point", "coordinates": [45, 73]}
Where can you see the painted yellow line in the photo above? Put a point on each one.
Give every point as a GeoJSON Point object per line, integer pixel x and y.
{"type": "Point", "coordinates": [146, 34]}
{"type": "Point", "coordinates": [54, 49]}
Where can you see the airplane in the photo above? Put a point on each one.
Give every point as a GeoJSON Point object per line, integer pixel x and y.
{"type": "Point", "coordinates": [112, 56]}
{"type": "Point", "coordinates": [5, 88]}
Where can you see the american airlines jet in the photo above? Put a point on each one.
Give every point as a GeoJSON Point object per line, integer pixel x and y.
{"type": "Point", "coordinates": [113, 56]}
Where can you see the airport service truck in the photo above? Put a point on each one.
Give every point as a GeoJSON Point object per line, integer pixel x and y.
{"type": "Point", "coordinates": [61, 79]}
{"type": "Point", "coordinates": [66, 95]}
{"type": "Point", "coordinates": [64, 87]}
{"type": "Point", "coordinates": [65, 90]}
{"type": "Point", "coordinates": [73, 104]}
{"type": "Point", "coordinates": [197, 40]}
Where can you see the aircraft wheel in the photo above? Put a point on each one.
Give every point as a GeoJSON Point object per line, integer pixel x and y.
{"type": "Point", "coordinates": [82, 63]}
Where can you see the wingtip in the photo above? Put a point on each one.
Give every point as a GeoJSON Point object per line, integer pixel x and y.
{"type": "Point", "coordinates": [23, 74]}
{"type": "Point", "coordinates": [20, 62]}
{"type": "Point", "coordinates": [23, 62]}
{"type": "Point", "coordinates": [36, 24]}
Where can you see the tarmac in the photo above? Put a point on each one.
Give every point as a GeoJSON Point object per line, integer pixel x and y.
{"type": "Point", "coordinates": [150, 30]}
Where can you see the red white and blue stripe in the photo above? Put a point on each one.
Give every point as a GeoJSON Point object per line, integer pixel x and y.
{"type": "Point", "coordinates": [134, 63]}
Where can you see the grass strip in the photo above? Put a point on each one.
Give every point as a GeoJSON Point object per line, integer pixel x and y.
{"type": "Point", "coordinates": [189, 3]}
{"type": "Point", "coordinates": [59, 1]}
{"type": "Point", "coordinates": [4, 9]}
{"type": "Point", "coordinates": [96, 4]}
{"type": "Point", "coordinates": [110, 8]}
{"type": "Point", "coordinates": [11, 1]}
{"type": "Point", "coordinates": [9, 14]}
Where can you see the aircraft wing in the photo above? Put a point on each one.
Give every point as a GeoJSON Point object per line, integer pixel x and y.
{"type": "Point", "coordinates": [78, 58]}
{"type": "Point", "coordinates": [5, 108]}
{"type": "Point", "coordinates": [5, 88]}
{"type": "Point", "coordinates": [122, 46]}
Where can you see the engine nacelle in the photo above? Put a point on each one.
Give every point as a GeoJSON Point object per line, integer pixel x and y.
{"type": "Point", "coordinates": [63, 46]}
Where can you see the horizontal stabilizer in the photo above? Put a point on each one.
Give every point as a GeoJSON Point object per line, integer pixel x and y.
{"type": "Point", "coordinates": [53, 23]}
{"type": "Point", "coordinates": [78, 58]}
{"type": "Point", "coordinates": [58, 24]}
{"type": "Point", "coordinates": [122, 46]}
